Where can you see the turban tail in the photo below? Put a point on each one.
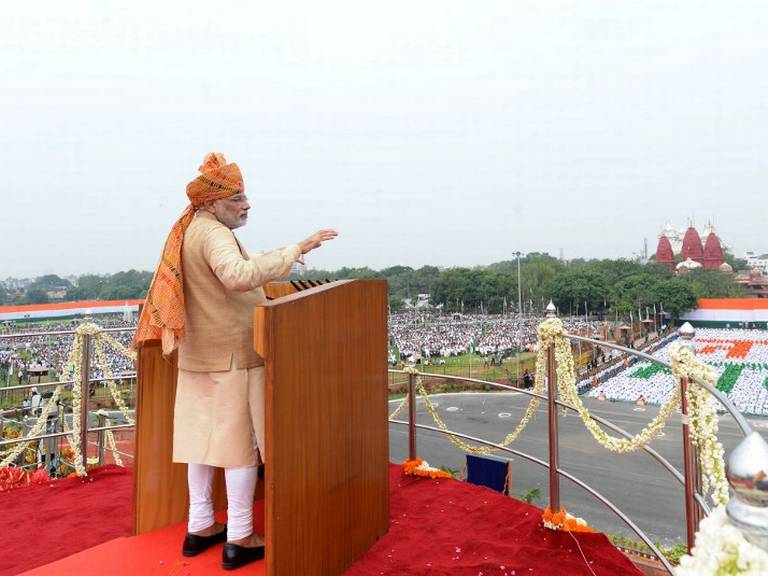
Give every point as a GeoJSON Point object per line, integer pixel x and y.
{"type": "Point", "coordinates": [162, 317]}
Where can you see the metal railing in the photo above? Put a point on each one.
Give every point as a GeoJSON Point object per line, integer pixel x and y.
{"type": "Point", "coordinates": [695, 504]}
{"type": "Point", "coordinates": [85, 412]}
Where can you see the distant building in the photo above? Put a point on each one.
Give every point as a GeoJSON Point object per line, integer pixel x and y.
{"type": "Point", "coordinates": [755, 283]}
{"type": "Point", "coordinates": [687, 249]}
{"type": "Point", "coordinates": [756, 262]}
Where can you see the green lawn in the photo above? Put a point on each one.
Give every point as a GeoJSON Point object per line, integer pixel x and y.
{"type": "Point", "coordinates": [471, 366]}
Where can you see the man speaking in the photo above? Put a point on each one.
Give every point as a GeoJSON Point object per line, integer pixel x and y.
{"type": "Point", "coordinates": [201, 301]}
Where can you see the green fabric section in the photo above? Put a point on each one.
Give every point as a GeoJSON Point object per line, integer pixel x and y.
{"type": "Point", "coordinates": [765, 383]}
{"type": "Point", "coordinates": [646, 372]}
{"type": "Point", "coordinates": [729, 377]}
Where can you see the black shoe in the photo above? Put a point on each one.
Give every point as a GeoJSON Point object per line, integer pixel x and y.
{"type": "Point", "coordinates": [235, 556]}
{"type": "Point", "coordinates": [194, 545]}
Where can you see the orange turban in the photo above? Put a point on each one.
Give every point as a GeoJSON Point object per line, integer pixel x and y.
{"type": "Point", "coordinates": [162, 317]}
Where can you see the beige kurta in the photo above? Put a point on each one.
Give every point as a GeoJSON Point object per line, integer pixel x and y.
{"type": "Point", "coordinates": [219, 410]}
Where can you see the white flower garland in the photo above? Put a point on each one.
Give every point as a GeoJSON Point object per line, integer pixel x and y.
{"type": "Point", "coordinates": [703, 421]}
{"type": "Point", "coordinates": [552, 333]}
{"type": "Point", "coordinates": [73, 366]}
{"type": "Point", "coordinates": [460, 443]}
{"type": "Point", "coordinates": [104, 365]}
{"type": "Point", "coordinates": [722, 550]}
{"type": "Point", "coordinates": [37, 429]}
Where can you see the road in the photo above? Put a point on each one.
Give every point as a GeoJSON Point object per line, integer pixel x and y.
{"type": "Point", "coordinates": [635, 483]}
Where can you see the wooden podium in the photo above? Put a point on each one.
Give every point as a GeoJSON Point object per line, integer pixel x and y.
{"type": "Point", "coordinates": [326, 484]}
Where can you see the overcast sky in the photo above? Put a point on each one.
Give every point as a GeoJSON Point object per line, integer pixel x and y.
{"type": "Point", "coordinates": [426, 132]}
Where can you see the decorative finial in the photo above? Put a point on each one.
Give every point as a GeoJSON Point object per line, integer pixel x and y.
{"type": "Point", "coordinates": [687, 332]}
{"type": "Point", "coordinates": [551, 310]}
{"type": "Point", "coordinates": [747, 472]}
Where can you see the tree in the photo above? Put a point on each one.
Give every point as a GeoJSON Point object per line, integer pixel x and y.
{"type": "Point", "coordinates": [88, 287]}
{"type": "Point", "coordinates": [395, 303]}
{"type": "Point", "coordinates": [35, 296]}
{"type": "Point", "coordinates": [713, 284]}
{"type": "Point", "coordinates": [50, 282]}
{"type": "Point", "coordinates": [675, 295]}
{"type": "Point", "coordinates": [633, 292]}
{"type": "Point", "coordinates": [574, 287]}
{"type": "Point", "coordinates": [737, 264]}
{"type": "Point", "coordinates": [126, 285]}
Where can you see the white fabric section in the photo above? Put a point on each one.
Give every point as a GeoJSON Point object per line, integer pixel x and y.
{"type": "Point", "coordinates": [727, 315]}
{"type": "Point", "coordinates": [241, 485]}
{"type": "Point", "coordinates": [200, 480]}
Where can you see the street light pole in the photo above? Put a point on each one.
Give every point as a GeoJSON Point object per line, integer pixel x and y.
{"type": "Point", "coordinates": [519, 286]}
{"type": "Point", "coordinates": [519, 312]}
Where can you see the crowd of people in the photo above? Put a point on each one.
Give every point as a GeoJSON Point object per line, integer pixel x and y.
{"type": "Point", "coordinates": [416, 335]}
{"type": "Point", "coordinates": [738, 357]}
{"type": "Point", "coordinates": [26, 356]}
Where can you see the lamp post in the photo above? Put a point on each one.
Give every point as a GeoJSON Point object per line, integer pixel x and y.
{"type": "Point", "coordinates": [519, 285]}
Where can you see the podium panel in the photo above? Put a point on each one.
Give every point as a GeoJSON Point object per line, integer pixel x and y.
{"type": "Point", "coordinates": [327, 492]}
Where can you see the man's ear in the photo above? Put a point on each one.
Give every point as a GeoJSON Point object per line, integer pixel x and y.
{"type": "Point", "coordinates": [208, 206]}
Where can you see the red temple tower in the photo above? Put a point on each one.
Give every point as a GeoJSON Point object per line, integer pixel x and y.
{"type": "Point", "coordinates": [692, 247]}
{"type": "Point", "coordinates": [664, 253]}
{"type": "Point", "coordinates": [713, 251]}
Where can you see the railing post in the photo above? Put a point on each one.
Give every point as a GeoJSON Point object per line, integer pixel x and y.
{"type": "Point", "coordinates": [554, 477]}
{"type": "Point", "coordinates": [102, 423]}
{"type": "Point", "coordinates": [687, 333]}
{"type": "Point", "coordinates": [411, 416]}
{"type": "Point", "coordinates": [85, 388]}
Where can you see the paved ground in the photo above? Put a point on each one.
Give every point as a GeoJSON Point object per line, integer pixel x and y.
{"type": "Point", "coordinates": [635, 483]}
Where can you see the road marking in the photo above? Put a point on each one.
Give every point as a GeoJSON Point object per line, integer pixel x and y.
{"type": "Point", "coordinates": [505, 415]}
{"type": "Point", "coordinates": [451, 408]}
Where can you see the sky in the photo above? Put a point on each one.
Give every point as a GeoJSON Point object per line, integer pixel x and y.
{"type": "Point", "coordinates": [431, 132]}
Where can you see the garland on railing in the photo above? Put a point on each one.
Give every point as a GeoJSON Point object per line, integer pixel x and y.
{"type": "Point", "coordinates": [460, 443]}
{"type": "Point", "coordinates": [703, 417]}
{"type": "Point", "coordinates": [73, 366]}
{"type": "Point", "coordinates": [37, 429]}
{"type": "Point", "coordinates": [703, 421]}
{"type": "Point", "coordinates": [702, 413]}
{"type": "Point", "coordinates": [552, 333]}
{"type": "Point", "coordinates": [111, 438]}
{"type": "Point", "coordinates": [104, 365]}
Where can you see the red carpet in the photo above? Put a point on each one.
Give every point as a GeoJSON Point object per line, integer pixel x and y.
{"type": "Point", "coordinates": [448, 527]}
{"type": "Point", "coordinates": [155, 553]}
{"type": "Point", "coordinates": [50, 521]}
{"type": "Point", "coordinates": [438, 527]}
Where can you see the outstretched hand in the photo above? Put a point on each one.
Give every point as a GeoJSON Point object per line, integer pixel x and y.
{"type": "Point", "coordinates": [317, 239]}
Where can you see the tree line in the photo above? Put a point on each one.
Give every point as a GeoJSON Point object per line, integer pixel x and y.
{"type": "Point", "coordinates": [602, 287]}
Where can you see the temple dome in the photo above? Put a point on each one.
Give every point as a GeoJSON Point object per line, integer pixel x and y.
{"type": "Point", "coordinates": [664, 253]}
{"type": "Point", "coordinates": [687, 265]}
{"type": "Point", "coordinates": [713, 252]}
{"type": "Point", "coordinates": [692, 247]}
{"type": "Point", "coordinates": [725, 267]}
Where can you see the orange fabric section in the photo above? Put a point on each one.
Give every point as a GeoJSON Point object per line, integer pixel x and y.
{"type": "Point", "coordinates": [733, 304]}
{"type": "Point", "coordinates": [68, 305]}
